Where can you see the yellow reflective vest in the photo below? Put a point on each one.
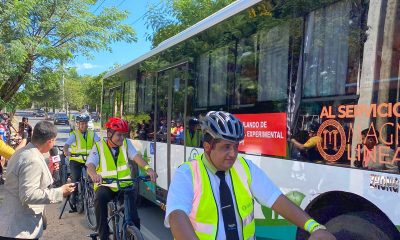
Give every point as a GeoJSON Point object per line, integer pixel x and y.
{"type": "Point", "coordinates": [192, 141]}
{"type": "Point", "coordinates": [108, 168]}
{"type": "Point", "coordinates": [204, 215]}
{"type": "Point", "coordinates": [81, 145]}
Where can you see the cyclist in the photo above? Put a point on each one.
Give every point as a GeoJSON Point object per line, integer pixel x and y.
{"type": "Point", "coordinates": [81, 141]}
{"type": "Point", "coordinates": [109, 159]}
{"type": "Point", "coordinates": [212, 196]}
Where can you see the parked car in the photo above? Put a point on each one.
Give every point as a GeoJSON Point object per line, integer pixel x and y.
{"type": "Point", "coordinates": [39, 113]}
{"type": "Point", "coordinates": [61, 118]}
{"type": "Point", "coordinates": [94, 116]}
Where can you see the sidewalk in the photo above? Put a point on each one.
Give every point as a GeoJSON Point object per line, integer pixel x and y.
{"type": "Point", "coordinates": [1, 193]}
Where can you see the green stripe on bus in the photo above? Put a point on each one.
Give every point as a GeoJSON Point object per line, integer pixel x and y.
{"type": "Point", "coordinates": [276, 232]}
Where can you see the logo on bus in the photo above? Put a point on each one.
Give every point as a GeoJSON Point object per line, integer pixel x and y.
{"type": "Point", "coordinates": [333, 143]}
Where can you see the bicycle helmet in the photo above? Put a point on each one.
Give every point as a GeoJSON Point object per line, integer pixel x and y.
{"type": "Point", "coordinates": [193, 121]}
{"type": "Point", "coordinates": [117, 124]}
{"type": "Point", "coordinates": [82, 118]}
{"type": "Point", "coordinates": [223, 125]}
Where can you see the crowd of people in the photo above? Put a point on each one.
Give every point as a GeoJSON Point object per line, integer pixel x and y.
{"type": "Point", "coordinates": [10, 142]}
{"type": "Point", "coordinates": [192, 134]}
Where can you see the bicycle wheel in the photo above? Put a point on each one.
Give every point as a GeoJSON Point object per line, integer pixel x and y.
{"type": "Point", "coordinates": [89, 207]}
{"type": "Point", "coordinates": [80, 198]}
{"type": "Point", "coordinates": [63, 172]}
{"type": "Point", "coordinates": [133, 233]}
{"type": "Point", "coordinates": [112, 221]}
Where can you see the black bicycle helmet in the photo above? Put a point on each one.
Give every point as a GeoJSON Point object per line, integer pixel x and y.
{"type": "Point", "coordinates": [82, 118]}
{"type": "Point", "coordinates": [193, 121]}
{"type": "Point", "coordinates": [223, 125]}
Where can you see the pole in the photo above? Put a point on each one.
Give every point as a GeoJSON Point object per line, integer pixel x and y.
{"type": "Point", "coordinates": [63, 88]}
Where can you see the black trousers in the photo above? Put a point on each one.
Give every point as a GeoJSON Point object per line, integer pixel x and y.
{"type": "Point", "coordinates": [103, 196]}
{"type": "Point", "coordinates": [76, 171]}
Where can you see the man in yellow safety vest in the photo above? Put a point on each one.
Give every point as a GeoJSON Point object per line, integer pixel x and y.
{"type": "Point", "coordinates": [109, 159]}
{"type": "Point", "coordinates": [80, 141]}
{"type": "Point", "coordinates": [212, 196]}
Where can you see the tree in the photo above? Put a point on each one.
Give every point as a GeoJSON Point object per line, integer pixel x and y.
{"type": "Point", "coordinates": [93, 91]}
{"type": "Point", "coordinates": [36, 34]}
{"type": "Point", "coordinates": [176, 15]}
{"type": "Point", "coordinates": [45, 88]}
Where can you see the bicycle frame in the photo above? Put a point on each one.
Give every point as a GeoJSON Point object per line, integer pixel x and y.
{"type": "Point", "coordinates": [125, 211]}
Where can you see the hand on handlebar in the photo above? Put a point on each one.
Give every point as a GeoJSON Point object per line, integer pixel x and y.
{"type": "Point", "coordinates": [153, 175]}
{"type": "Point", "coordinates": [67, 153]}
{"type": "Point", "coordinates": [97, 178]}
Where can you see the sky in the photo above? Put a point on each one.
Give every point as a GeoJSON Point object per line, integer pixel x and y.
{"type": "Point", "coordinates": [122, 52]}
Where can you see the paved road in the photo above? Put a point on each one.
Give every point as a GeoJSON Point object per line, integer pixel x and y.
{"type": "Point", "coordinates": [73, 226]}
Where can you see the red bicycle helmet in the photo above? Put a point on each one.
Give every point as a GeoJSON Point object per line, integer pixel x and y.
{"type": "Point", "coordinates": [117, 124]}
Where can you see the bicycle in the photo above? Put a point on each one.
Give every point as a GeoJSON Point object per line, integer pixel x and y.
{"type": "Point", "coordinates": [85, 196]}
{"type": "Point", "coordinates": [120, 222]}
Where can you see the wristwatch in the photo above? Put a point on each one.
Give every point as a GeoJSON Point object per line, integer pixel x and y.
{"type": "Point", "coordinates": [318, 227]}
{"type": "Point", "coordinates": [147, 167]}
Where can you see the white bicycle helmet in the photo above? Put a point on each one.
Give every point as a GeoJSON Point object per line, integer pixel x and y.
{"type": "Point", "coordinates": [82, 118]}
{"type": "Point", "coordinates": [223, 125]}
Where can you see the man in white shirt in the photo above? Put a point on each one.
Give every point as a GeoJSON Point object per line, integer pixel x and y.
{"type": "Point", "coordinates": [80, 141]}
{"type": "Point", "coordinates": [212, 196]}
{"type": "Point", "coordinates": [109, 159]}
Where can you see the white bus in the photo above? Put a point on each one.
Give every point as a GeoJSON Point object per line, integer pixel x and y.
{"type": "Point", "coordinates": [319, 72]}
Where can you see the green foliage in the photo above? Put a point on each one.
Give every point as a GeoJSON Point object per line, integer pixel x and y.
{"type": "Point", "coordinates": [176, 15]}
{"type": "Point", "coordinates": [36, 34]}
{"type": "Point", "coordinates": [74, 90]}
{"type": "Point", "coordinates": [135, 119]}
{"type": "Point", "coordinates": [92, 91]}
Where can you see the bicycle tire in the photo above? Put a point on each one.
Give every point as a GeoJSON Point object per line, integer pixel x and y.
{"type": "Point", "coordinates": [89, 207]}
{"type": "Point", "coordinates": [133, 233]}
{"type": "Point", "coordinates": [80, 198]}
{"type": "Point", "coordinates": [112, 222]}
{"type": "Point", "coordinates": [63, 170]}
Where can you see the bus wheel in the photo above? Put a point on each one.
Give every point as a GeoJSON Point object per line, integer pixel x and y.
{"type": "Point", "coordinates": [361, 226]}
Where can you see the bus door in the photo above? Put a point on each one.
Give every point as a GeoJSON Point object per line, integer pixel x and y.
{"type": "Point", "coordinates": [170, 117]}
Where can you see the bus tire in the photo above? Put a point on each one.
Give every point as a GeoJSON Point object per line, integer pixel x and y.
{"type": "Point", "coordinates": [362, 225]}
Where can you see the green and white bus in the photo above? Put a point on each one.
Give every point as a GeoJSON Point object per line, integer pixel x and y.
{"type": "Point", "coordinates": [282, 67]}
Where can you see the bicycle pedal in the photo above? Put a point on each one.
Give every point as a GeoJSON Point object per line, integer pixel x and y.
{"type": "Point", "coordinates": [93, 236]}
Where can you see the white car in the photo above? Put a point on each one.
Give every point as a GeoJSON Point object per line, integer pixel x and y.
{"type": "Point", "coordinates": [91, 125]}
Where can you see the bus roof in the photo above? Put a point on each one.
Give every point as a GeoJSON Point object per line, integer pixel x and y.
{"type": "Point", "coordinates": [204, 24]}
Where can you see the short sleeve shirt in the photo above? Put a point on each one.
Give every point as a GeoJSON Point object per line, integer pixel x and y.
{"type": "Point", "coordinates": [312, 142]}
{"type": "Point", "coordinates": [94, 158]}
{"type": "Point", "coordinates": [72, 139]}
{"type": "Point", "coordinates": [180, 192]}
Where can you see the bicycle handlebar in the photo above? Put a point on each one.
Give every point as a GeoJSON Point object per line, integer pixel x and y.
{"type": "Point", "coordinates": [134, 180]}
{"type": "Point", "coordinates": [79, 155]}
{"type": "Point", "coordinates": [127, 188]}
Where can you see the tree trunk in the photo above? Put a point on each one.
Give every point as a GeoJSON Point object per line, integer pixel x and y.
{"type": "Point", "coordinates": [11, 86]}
